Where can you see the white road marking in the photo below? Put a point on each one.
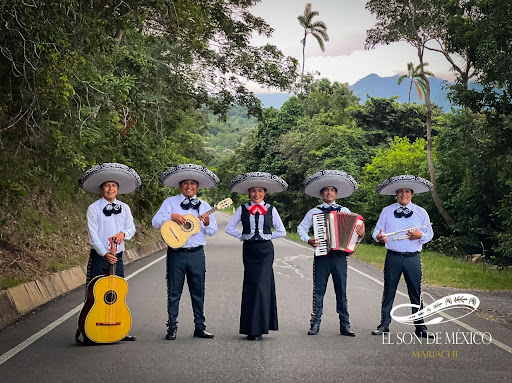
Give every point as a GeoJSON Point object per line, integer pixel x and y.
{"type": "Point", "coordinates": [27, 342]}
{"type": "Point", "coordinates": [15, 350]}
{"type": "Point", "coordinates": [462, 324]}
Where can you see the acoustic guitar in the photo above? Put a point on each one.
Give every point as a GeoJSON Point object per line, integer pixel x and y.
{"type": "Point", "coordinates": [105, 317]}
{"type": "Point", "coordinates": [176, 235]}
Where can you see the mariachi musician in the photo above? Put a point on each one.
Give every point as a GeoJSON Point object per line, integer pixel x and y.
{"type": "Point", "coordinates": [328, 184]}
{"type": "Point", "coordinates": [403, 251]}
{"type": "Point", "coordinates": [259, 305]}
{"type": "Point", "coordinates": [190, 259]}
{"type": "Point", "coordinates": [109, 217]}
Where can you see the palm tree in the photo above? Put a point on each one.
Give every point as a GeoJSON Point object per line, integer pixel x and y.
{"type": "Point", "coordinates": [318, 29]}
{"type": "Point", "coordinates": [414, 74]}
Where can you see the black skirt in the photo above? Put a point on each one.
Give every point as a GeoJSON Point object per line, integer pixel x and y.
{"type": "Point", "coordinates": [259, 304]}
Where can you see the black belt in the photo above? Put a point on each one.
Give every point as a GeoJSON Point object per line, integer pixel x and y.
{"type": "Point", "coordinates": [406, 254]}
{"type": "Point", "coordinates": [190, 249]}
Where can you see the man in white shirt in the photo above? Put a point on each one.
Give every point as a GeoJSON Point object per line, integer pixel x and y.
{"type": "Point", "coordinates": [109, 218]}
{"type": "Point", "coordinates": [328, 184]}
{"type": "Point", "coordinates": [403, 249]}
{"type": "Point", "coordinates": [190, 260]}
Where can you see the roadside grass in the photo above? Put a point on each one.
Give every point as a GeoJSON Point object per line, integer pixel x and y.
{"type": "Point", "coordinates": [439, 269]}
{"type": "Point", "coordinates": [11, 282]}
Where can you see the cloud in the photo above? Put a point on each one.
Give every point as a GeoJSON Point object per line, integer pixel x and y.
{"type": "Point", "coordinates": [385, 61]}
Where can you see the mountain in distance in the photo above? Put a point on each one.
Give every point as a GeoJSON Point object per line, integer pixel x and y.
{"type": "Point", "coordinates": [377, 86]}
{"type": "Point", "coordinates": [275, 100]}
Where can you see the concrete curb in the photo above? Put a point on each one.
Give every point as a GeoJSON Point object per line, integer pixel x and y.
{"type": "Point", "coordinates": [19, 300]}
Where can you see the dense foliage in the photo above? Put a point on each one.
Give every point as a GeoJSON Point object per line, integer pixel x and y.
{"type": "Point", "coordinates": [84, 82]}
{"type": "Point", "coordinates": [152, 84]}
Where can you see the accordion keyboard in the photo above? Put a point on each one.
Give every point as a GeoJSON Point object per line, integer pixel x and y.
{"type": "Point", "coordinates": [320, 233]}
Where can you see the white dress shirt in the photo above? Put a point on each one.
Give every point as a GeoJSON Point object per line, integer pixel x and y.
{"type": "Point", "coordinates": [101, 227]}
{"type": "Point", "coordinates": [303, 228]}
{"type": "Point", "coordinates": [173, 205]}
{"type": "Point", "coordinates": [389, 224]}
{"type": "Point", "coordinates": [279, 231]}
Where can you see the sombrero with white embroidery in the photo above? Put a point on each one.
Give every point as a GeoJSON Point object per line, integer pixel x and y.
{"type": "Point", "coordinates": [343, 182]}
{"type": "Point", "coordinates": [416, 184]}
{"type": "Point", "coordinates": [127, 178]}
{"type": "Point", "coordinates": [243, 182]}
{"type": "Point", "coordinates": [203, 176]}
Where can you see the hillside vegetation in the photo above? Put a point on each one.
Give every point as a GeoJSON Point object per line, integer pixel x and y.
{"type": "Point", "coordinates": [153, 84]}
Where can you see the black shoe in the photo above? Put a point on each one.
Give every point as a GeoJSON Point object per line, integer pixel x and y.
{"type": "Point", "coordinates": [130, 338]}
{"type": "Point", "coordinates": [254, 337]}
{"type": "Point", "coordinates": [424, 334]}
{"type": "Point", "coordinates": [171, 333]}
{"type": "Point", "coordinates": [346, 332]}
{"type": "Point", "coordinates": [315, 329]}
{"type": "Point", "coordinates": [203, 334]}
{"type": "Point", "coordinates": [380, 331]}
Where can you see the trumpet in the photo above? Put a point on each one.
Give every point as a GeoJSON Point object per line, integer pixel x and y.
{"type": "Point", "coordinates": [395, 237]}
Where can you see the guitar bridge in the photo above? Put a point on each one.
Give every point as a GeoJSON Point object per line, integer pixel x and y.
{"type": "Point", "coordinates": [108, 323]}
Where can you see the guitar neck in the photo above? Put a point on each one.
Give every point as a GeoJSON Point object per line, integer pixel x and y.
{"type": "Point", "coordinates": [212, 210]}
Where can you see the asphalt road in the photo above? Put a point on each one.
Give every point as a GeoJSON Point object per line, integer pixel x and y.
{"type": "Point", "coordinates": [40, 347]}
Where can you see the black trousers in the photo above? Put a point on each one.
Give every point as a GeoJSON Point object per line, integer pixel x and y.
{"type": "Point", "coordinates": [335, 264]}
{"type": "Point", "coordinates": [181, 263]}
{"type": "Point", "coordinates": [394, 266]}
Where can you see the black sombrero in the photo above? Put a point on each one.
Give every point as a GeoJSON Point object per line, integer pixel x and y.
{"type": "Point", "coordinates": [127, 178]}
{"type": "Point", "coordinates": [243, 182]}
{"type": "Point", "coordinates": [203, 176]}
{"type": "Point", "coordinates": [343, 182]}
{"type": "Point", "coordinates": [416, 184]}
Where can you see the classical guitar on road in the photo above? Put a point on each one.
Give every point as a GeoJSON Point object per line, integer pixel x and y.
{"type": "Point", "coordinates": [105, 317]}
{"type": "Point", "coordinates": [176, 235]}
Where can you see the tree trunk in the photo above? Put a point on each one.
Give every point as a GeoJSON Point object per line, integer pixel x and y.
{"type": "Point", "coordinates": [430, 159]}
{"type": "Point", "coordinates": [303, 54]}
{"type": "Point", "coordinates": [118, 37]}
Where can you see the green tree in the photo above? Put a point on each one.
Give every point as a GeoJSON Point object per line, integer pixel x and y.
{"type": "Point", "coordinates": [414, 76]}
{"type": "Point", "coordinates": [384, 118]}
{"type": "Point", "coordinates": [401, 157]}
{"type": "Point", "coordinates": [312, 131]}
{"type": "Point", "coordinates": [481, 30]}
{"type": "Point", "coordinates": [475, 184]}
{"type": "Point", "coordinates": [318, 29]}
{"type": "Point", "coordinates": [84, 82]}
{"type": "Point", "coordinates": [416, 22]}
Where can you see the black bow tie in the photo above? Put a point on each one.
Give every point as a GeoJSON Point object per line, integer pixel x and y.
{"type": "Point", "coordinates": [327, 209]}
{"type": "Point", "coordinates": [111, 208]}
{"type": "Point", "coordinates": [188, 203]}
{"type": "Point", "coordinates": [402, 212]}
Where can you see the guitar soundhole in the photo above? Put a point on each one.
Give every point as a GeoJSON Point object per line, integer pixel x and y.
{"type": "Point", "coordinates": [110, 297]}
{"type": "Point", "coordinates": [188, 226]}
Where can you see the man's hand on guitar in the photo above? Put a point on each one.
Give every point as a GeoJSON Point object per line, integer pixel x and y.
{"type": "Point", "coordinates": [118, 238]}
{"type": "Point", "coordinates": [111, 258]}
{"type": "Point", "coordinates": [178, 218]}
{"type": "Point", "coordinates": [205, 219]}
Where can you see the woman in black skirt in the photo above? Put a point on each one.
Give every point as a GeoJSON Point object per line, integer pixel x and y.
{"type": "Point", "coordinates": [259, 306]}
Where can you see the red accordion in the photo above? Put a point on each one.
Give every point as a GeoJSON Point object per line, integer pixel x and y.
{"type": "Point", "coordinates": [336, 231]}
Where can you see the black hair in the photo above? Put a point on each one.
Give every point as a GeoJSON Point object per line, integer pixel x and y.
{"type": "Point", "coordinates": [117, 183]}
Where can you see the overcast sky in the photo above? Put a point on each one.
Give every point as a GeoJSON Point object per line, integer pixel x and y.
{"type": "Point", "coordinates": [344, 59]}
